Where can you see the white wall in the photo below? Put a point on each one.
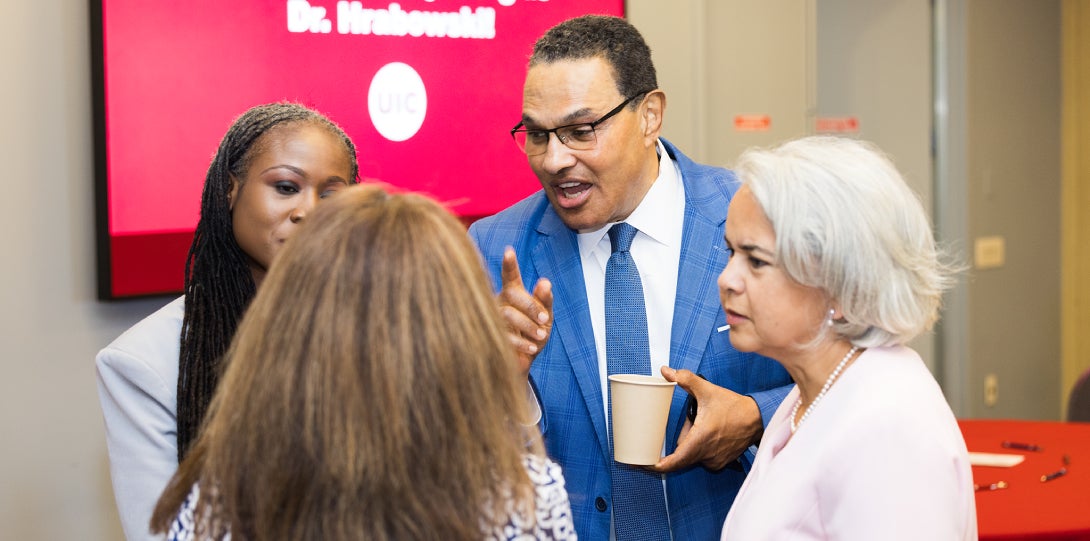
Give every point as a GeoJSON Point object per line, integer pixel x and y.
{"type": "Point", "coordinates": [795, 60]}
{"type": "Point", "coordinates": [1012, 114]}
{"type": "Point", "coordinates": [54, 482]}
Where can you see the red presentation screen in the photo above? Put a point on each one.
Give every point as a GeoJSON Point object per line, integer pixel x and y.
{"type": "Point", "coordinates": [427, 89]}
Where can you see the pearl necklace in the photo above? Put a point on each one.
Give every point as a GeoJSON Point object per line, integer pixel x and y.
{"type": "Point", "coordinates": [824, 389]}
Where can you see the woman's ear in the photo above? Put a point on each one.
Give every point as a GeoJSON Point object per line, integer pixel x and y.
{"type": "Point", "coordinates": [834, 312]}
{"type": "Point", "coordinates": [231, 195]}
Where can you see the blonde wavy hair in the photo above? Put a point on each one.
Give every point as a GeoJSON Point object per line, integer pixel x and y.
{"type": "Point", "coordinates": [370, 391]}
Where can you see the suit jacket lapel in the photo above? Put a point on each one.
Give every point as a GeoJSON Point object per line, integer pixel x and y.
{"type": "Point", "coordinates": [556, 257]}
{"type": "Point", "coordinates": [697, 312]}
{"type": "Point", "coordinates": [696, 307]}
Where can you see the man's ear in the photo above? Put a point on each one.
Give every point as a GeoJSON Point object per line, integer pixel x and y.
{"type": "Point", "coordinates": [654, 106]}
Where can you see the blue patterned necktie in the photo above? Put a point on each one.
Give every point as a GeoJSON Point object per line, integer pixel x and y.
{"type": "Point", "coordinates": [639, 506]}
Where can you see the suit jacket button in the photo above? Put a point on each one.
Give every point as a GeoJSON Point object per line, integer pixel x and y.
{"type": "Point", "coordinates": [600, 504]}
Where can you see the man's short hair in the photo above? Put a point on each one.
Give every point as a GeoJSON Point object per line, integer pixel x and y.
{"type": "Point", "coordinates": [612, 38]}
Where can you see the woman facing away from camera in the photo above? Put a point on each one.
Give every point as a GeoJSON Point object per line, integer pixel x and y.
{"type": "Point", "coordinates": [371, 392]}
{"type": "Point", "coordinates": [274, 164]}
{"type": "Point", "coordinates": [834, 267]}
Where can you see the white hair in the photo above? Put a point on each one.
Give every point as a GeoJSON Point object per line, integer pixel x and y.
{"type": "Point", "coordinates": [848, 224]}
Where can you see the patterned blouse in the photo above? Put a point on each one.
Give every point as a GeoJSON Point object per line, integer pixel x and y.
{"type": "Point", "coordinates": [552, 518]}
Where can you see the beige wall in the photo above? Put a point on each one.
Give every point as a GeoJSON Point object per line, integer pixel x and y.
{"type": "Point", "coordinates": [54, 482]}
{"type": "Point", "coordinates": [720, 59]}
{"type": "Point", "coordinates": [1075, 194]}
{"type": "Point", "coordinates": [675, 32]}
{"type": "Point", "coordinates": [993, 134]}
{"type": "Point", "coordinates": [1012, 85]}
{"type": "Point", "coordinates": [794, 61]}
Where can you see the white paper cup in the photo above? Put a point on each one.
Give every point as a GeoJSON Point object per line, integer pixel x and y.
{"type": "Point", "coordinates": [641, 406]}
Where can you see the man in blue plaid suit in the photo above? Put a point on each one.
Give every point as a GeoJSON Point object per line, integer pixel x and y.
{"type": "Point", "coordinates": [592, 115]}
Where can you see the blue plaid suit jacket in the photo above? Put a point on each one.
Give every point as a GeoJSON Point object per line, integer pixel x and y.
{"type": "Point", "coordinates": [565, 372]}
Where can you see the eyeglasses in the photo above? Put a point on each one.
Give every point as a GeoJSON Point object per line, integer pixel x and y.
{"type": "Point", "coordinates": [574, 136]}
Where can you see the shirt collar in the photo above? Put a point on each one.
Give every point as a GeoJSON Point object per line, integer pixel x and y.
{"type": "Point", "coordinates": [656, 212]}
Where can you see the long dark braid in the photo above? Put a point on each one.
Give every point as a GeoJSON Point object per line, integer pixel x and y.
{"type": "Point", "coordinates": [218, 281]}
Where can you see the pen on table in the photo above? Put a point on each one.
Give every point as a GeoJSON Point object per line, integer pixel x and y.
{"type": "Point", "coordinates": [993, 486]}
{"type": "Point", "coordinates": [1022, 446]}
{"type": "Point", "coordinates": [1058, 473]}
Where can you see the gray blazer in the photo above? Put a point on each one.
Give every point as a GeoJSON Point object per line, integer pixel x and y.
{"type": "Point", "coordinates": [138, 389]}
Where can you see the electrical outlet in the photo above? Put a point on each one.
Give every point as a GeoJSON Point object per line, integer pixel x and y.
{"type": "Point", "coordinates": [989, 252]}
{"type": "Point", "coordinates": [991, 390]}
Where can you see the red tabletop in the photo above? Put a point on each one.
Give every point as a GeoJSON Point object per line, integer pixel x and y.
{"type": "Point", "coordinates": [1028, 508]}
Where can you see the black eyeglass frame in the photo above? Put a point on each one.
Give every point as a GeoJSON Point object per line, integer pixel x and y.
{"type": "Point", "coordinates": [519, 128]}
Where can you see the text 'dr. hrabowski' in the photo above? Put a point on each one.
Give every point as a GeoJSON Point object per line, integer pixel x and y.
{"type": "Point", "coordinates": [351, 17]}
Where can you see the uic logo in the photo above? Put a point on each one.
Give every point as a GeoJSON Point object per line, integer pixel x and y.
{"type": "Point", "coordinates": [397, 101]}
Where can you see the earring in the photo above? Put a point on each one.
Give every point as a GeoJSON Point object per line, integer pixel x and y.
{"type": "Point", "coordinates": [829, 318]}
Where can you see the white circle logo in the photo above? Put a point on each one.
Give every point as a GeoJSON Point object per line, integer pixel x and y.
{"type": "Point", "coordinates": [397, 101]}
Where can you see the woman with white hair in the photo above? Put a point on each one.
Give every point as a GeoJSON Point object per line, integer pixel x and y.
{"type": "Point", "coordinates": [833, 269]}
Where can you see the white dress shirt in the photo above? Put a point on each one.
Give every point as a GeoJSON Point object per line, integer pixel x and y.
{"type": "Point", "coordinates": [656, 249]}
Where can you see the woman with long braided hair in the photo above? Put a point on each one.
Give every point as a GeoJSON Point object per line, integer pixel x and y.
{"type": "Point", "coordinates": [156, 380]}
